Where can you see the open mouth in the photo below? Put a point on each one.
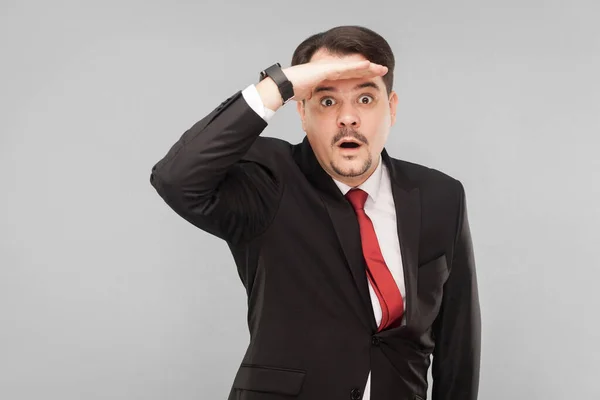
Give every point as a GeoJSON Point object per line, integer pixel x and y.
{"type": "Point", "coordinates": [349, 145]}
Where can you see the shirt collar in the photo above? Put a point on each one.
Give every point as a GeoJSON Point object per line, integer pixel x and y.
{"type": "Point", "coordinates": [371, 185]}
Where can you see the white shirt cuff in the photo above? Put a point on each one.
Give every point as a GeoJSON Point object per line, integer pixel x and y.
{"type": "Point", "coordinates": [255, 102]}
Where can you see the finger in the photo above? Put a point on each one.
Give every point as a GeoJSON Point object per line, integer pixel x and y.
{"type": "Point", "coordinates": [373, 71]}
{"type": "Point", "coordinates": [339, 70]}
{"type": "Point", "coordinates": [372, 68]}
{"type": "Point", "coordinates": [377, 69]}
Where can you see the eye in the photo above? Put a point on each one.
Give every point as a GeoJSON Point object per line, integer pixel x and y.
{"type": "Point", "coordinates": [327, 101]}
{"type": "Point", "coordinates": [365, 99]}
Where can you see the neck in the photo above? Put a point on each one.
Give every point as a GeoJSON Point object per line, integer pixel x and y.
{"type": "Point", "coordinates": [353, 181]}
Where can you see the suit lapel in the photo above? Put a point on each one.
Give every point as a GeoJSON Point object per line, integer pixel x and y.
{"type": "Point", "coordinates": [407, 201]}
{"type": "Point", "coordinates": [348, 233]}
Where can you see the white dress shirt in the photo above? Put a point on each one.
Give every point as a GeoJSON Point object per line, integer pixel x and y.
{"type": "Point", "coordinates": [379, 207]}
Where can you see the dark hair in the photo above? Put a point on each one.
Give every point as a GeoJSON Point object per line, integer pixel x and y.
{"type": "Point", "coordinates": [346, 40]}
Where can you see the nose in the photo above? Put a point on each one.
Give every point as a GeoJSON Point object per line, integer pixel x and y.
{"type": "Point", "coordinates": [348, 118]}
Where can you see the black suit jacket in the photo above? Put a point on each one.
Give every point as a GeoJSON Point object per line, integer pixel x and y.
{"type": "Point", "coordinates": [296, 243]}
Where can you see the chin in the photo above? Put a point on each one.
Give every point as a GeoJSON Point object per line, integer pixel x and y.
{"type": "Point", "coordinates": [351, 168]}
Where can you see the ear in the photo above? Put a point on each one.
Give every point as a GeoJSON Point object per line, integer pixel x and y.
{"type": "Point", "coordinates": [393, 105]}
{"type": "Point", "coordinates": [301, 112]}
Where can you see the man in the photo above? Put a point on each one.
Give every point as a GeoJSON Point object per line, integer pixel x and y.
{"type": "Point", "coordinates": [358, 266]}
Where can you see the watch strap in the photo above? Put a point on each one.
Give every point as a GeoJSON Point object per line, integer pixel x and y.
{"type": "Point", "coordinates": [286, 89]}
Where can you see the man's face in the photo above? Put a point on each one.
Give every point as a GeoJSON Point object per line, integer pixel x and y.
{"type": "Point", "coordinates": [347, 123]}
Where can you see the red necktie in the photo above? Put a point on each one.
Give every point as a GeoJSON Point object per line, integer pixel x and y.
{"type": "Point", "coordinates": [390, 299]}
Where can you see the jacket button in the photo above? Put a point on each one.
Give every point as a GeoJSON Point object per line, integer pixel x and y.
{"type": "Point", "coordinates": [375, 341]}
{"type": "Point", "coordinates": [355, 394]}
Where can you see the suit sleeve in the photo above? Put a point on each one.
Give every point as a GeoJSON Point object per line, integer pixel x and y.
{"type": "Point", "coordinates": [205, 178]}
{"type": "Point", "coordinates": [457, 329]}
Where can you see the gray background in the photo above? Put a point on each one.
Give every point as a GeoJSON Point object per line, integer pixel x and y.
{"type": "Point", "coordinates": [106, 294]}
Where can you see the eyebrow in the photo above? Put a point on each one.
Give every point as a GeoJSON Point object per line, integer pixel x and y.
{"type": "Point", "coordinates": [359, 86]}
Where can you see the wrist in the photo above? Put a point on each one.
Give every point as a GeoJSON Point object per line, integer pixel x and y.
{"type": "Point", "coordinates": [269, 94]}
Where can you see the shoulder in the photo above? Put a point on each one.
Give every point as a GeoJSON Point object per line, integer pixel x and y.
{"type": "Point", "coordinates": [437, 187]}
{"type": "Point", "coordinates": [424, 176]}
{"type": "Point", "coordinates": [270, 154]}
{"type": "Point", "coordinates": [266, 149]}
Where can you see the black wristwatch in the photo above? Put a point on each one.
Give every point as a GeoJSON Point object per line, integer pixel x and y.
{"type": "Point", "coordinates": [286, 89]}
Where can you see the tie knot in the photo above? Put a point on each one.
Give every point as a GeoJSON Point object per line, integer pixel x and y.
{"type": "Point", "coordinates": [357, 198]}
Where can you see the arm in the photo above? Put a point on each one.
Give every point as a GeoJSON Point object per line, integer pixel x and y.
{"type": "Point", "coordinates": [205, 180]}
{"type": "Point", "coordinates": [457, 329]}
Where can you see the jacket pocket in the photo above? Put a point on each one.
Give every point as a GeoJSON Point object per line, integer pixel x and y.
{"type": "Point", "coordinates": [434, 271]}
{"type": "Point", "coordinates": [263, 378]}
{"type": "Point", "coordinates": [436, 263]}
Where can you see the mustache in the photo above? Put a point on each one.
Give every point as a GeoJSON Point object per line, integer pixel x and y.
{"type": "Point", "coordinates": [349, 133]}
